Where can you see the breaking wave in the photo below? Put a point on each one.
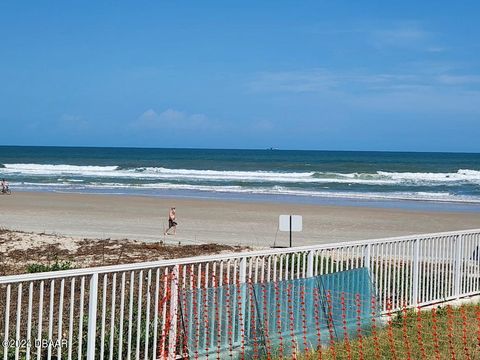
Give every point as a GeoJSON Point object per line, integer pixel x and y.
{"type": "Point", "coordinates": [431, 186]}
{"type": "Point", "coordinates": [377, 178]}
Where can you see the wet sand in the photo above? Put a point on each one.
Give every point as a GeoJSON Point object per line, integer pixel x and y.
{"type": "Point", "coordinates": [211, 221]}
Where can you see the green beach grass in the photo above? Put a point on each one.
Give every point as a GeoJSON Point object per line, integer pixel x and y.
{"type": "Point", "coordinates": [444, 333]}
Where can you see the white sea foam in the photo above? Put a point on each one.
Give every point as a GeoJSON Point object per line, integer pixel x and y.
{"type": "Point", "coordinates": [461, 175]}
{"type": "Point", "coordinates": [56, 169]}
{"type": "Point", "coordinates": [274, 190]}
{"type": "Point", "coordinates": [178, 174]}
{"type": "Point", "coordinates": [63, 172]}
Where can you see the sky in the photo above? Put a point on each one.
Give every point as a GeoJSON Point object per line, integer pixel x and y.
{"type": "Point", "coordinates": [326, 75]}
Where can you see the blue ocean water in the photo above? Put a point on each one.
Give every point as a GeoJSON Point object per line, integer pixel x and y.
{"type": "Point", "coordinates": [304, 176]}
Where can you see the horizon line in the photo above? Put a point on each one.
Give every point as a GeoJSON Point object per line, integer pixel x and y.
{"type": "Point", "coordinates": [240, 149]}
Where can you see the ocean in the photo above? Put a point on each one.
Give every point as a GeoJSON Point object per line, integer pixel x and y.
{"type": "Point", "coordinates": [276, 175]}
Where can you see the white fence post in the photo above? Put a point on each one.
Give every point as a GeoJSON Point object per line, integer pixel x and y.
{"type": "Point", "coordinates": [415, 271]}
{"type": "Point", "coordinates": [7, 325]}
{"type": "Point", "coordinates": [367, 258]}
{"type": "Point", "coordinates": [458, 266]}
{"type": "Point", "coordinates": [242, 275]}
{"type": "Point", "coordinates": [172, 334]}
{"type": "Point", "coordinates": [92, 317]}
{"type": "Point", "coordinates": [310, 263]}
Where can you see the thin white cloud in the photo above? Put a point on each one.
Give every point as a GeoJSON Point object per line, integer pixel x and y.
{"type": "Point", "coordinates": [263, 125]}
{"type": "Point", "coordinates": [73, 122]}
{"type": "Point", "coordinates": [323, 80]}
{"type": "Point", "coordinates": [459, 79]}
{"type": "Point", "coordinates": [313, 80]}
{"type": "Point", "coordinates": [401, 35]}
{"type": "Point", "coordinates": [150, 119]}
{"type": "Point", "coordinates": [149, 115]}
{"type": "Point", "coordinates": [318, 80]}
{"type": "Point", "coordinates": [421, 90]}
{"type": "Point", "coordinates": [420, 100]}
{"type": "Point", "coordinates": [436, 49]}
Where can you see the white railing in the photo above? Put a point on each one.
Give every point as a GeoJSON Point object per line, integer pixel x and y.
{"type": "Point", "coordinates": [132, 311]}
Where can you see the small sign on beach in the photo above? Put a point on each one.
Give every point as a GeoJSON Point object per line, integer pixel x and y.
{"type": "Point", "coordinates": [290, 223]}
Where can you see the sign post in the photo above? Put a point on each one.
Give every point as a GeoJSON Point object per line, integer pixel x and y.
{"type": "Point", "coordinates": [290, 223]}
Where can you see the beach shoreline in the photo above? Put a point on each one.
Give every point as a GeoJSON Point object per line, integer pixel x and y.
{"type": "Point", "coordinates": [420, 181]}
{"type": "Point", "coordinates": [336, 201]}
{"type": "Point", "coordinates": [201, 221]}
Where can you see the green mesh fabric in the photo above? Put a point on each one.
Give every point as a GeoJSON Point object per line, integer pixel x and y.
{"type": "Point", "coordinates": [277, 317]}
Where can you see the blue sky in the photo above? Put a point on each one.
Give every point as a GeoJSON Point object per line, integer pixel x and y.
{"type": "Point", "coordinates": [336, 75]}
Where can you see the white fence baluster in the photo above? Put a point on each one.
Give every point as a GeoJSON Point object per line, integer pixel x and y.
{"type": "Point", "coordinates": [19, 317]}
{"type": "Point", "coordinates": [29, 321]}
{"type": "Point", "coordinates": [92, 316]}
{"type": "Point", "coordinates": [458, 266]}
{"type": "Point", "coordinates": [104, 313]}
{"type": "Point", "coordinates": [155, 316]}
{"type": "Point", "coordinates": [80, 321]}
{"type": "Point", "coordinates": [60, 319]}
{"type": "Point", "coordinates": [415, 272]}
{"type": "Point", "coordinates": [147, 315]}
{"type": "Point", "coordinates": [112, 315]}
{"type": "Point", "coordinates": [172, 336]}
{"type": "Point", "coordinates": [71, 318]}
{"type": "Point", "coordinates": [122, 311]}
{"type": "Point", "coordinates": [310, 263]}
{"type": "Point", "coordinates": [139, 314]}
{"type": "Point", "coordinates": [50, 319]}
{"type": "Point", "coordinates": [7, 322]}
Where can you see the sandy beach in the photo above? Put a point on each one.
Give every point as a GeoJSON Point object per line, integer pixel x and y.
{"type": "Point", "coordinates": [209, 221]}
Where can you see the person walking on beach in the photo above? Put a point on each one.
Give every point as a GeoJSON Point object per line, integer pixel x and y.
{"type": "Point", "coordinates": [4, 186]}
{"type": "Point", "coordinates": [172, 221]}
